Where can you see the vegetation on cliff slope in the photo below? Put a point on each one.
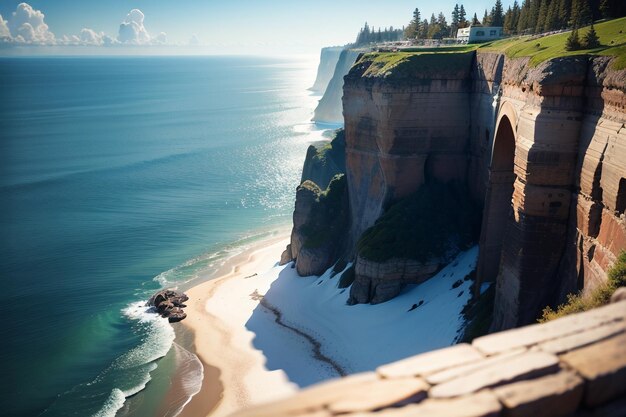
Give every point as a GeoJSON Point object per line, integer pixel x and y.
{"type": "Point", "coordinates": [426, 62]}
{"type": "Point", "coordinates": [328, 219]}
{"type": "Point", "coordinates": [601, 295]}
{"type": "Point", "coordinates": [323, 162]}
{"type": "Point", "coordinates": [611, 34]}
{"type": "Point", "coordinates": [422, 226]}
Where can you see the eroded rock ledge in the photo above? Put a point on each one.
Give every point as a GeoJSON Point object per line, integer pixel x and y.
{"type": "Point", "coordinates": [573, 366]}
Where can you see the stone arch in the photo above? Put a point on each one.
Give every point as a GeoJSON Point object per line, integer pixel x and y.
{"type": "Point", "coordinates": [498, 200]}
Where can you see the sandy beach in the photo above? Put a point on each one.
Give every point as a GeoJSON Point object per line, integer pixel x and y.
{"type": "Point", "coordinates": [235, 373]}
{"type": "Point", "coordinates": [263, 332]}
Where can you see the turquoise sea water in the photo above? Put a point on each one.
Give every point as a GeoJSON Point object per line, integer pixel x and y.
{"type": "Point", "coordinates": [119, 176]}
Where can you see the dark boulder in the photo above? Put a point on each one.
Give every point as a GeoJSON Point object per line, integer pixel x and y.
{"type": "Point", "coordinates": [169, 304]}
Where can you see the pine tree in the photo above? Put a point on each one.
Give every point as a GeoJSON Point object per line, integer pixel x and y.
{"type": "Point", "coordinates": [424, 29]}
{"type": "Point", "coordinates": [454, 24]}
{"type": "Point", "coordinates": [605, 9]}
{"type": "Point", "coordinates": [581, 13]}
{"type": "Point", "coordinates": [443, 25]}
{"type": "Point", "coordinates": [533, 15]}
{"type": "Point", "coordinates": [413, 30]}
{"type": "Point", "coordinates": [515, 16]}
{"type": "Point", "coordinates": [591, 40]}
{"type": "Point", "coordinates": [565, 9]}
{"type": "Point", "coordinates": [552, 17]}
{"type": "Point", "coordinates": [475, 20]}
{"type": "Point", "coordinates": [485, 21]}
{"type": "Point", "coordinates": [497, 15]}
{"type": "Point", "coordinates": [573, 41]}
{"type": "Point", "coordinates": [508, 21]}
{"type": "Point", "coordinates": [463, 17]}
{"type": "Point", "coordinates": [522, 22]}
{"type": "Point", "coordinates": [541, 16]}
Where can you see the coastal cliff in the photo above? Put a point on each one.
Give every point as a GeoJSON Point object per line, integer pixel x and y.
{"type": "Point", "coordinates": [535, 150]}
{"type": "Point", "coordinates": [329, 109]}
{"type": "Point", "coordinates": [328, 62]}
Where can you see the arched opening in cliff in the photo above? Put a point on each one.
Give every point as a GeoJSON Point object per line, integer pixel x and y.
{"type": "Point", "coordinates": [620, 205]}
{"type": "Point", "coordinates": [498, 207]}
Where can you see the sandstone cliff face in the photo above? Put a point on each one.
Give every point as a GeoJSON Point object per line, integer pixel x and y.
{"type": "Point", "coordinates": [329, 109]}
{"type": "Point", "coordinates": [401, 129]}
{"type": "Point", "coordinates": [542, 148]}
{"type": "Point", "coordinates": [377, 282]}
{"type": "Point", "coordinates": [562, 192]}
{"type": "Point", "coordinates": [597, 223]}
{"type": "Point", "coordinates": [328, 62]}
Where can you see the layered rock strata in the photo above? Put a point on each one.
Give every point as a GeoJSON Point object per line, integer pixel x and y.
{"type": "Point", "coordinates": [542, 150]}
{"type": "Point", "coordinates": [523, 139]}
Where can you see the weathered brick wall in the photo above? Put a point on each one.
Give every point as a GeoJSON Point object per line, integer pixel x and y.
{"type": "Point", "coordinates": [573, 366]}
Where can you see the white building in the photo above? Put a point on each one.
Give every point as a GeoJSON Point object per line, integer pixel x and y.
{"type": "Point", "coordinates": [476, 34]}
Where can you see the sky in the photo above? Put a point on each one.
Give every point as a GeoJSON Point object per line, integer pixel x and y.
{"type": "Point", "coordinates": [213, 27]}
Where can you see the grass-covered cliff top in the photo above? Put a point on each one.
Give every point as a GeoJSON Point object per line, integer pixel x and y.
{"type": "Point", "coordinates": [612, 36]}
{"type": "Point", "coordinates": [405, 64]}
{"type": "Point", "coordinates": [421, 62]}
{"type": "Point", "coordinates": [426, 63]}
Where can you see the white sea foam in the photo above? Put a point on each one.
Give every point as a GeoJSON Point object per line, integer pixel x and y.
{"type": "Point", "coordinates": [139, 361]}
{"type": "Point", "coordinates": [112, 404]}
{"type": "Point", "coordinates": [192, 371]}
{"type": "Point", "coordinates": [157, 341]}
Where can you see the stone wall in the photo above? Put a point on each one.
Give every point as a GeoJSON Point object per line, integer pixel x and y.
{"type": "Point", "coordinates": [573, 366]}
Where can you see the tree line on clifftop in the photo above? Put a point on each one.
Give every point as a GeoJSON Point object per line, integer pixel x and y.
{"type": "Point", "coordinates": [531, 17]}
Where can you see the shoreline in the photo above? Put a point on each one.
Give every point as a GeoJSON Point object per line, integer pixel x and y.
{"type": "Point", "coordinates": [227, 363]}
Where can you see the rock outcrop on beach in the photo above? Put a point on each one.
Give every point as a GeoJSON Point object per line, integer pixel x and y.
{"type": "Point", "coordinates": [169, 304]}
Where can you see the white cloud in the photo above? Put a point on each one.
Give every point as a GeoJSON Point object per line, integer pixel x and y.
{"type": "Point", "coordinates": [132, 29]}
{"type": "Point", "coordinates": [90, 37]}
{"type": "Point", "coordinates": [5, 33]}
{"type": "Point", "coordinates": [194, 40]}
{"type": "Point", "coordinates": [160, 39]}
{"type": "Point", "coordinates": [26, 25]}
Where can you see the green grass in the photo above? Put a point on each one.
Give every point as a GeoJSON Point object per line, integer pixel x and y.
{"type": "Point", "coordinates": [612, 36]}
{"type": "Point", "coordinates": [422, 226]}
{"type": "Point", "coordinates": [334, 150]}
{"type": "Point", "coordinates": [410, 64]}
{"type": "Point", "coordinates": [577, 303]}
{"type": "Point", "coordinates": [328, 219]}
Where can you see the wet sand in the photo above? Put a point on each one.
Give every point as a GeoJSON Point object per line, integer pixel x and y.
{"type": "Point", "coordinates": [234, 371]}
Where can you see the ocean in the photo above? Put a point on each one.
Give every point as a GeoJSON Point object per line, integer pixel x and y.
{"type": "Point", "coordinates": [120, 176]}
